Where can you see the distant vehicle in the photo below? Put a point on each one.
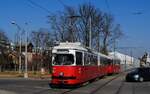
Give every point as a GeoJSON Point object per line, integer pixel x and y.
{"type": "Point", "coordinates": [139, 74]}
{"type": "Point", "coordinates": [74, 64]}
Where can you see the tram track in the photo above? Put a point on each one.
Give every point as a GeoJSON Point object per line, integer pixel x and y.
{"type": "Point", "coordinates": [120, 87]}
{"type": "Point", "coordinates": [55, 91]}
{"type": "Point", "coordinates": [103, 85]}
{"type": "Point", "coordinates": [123, 83]}
{"type": "Point", "coordinates": [82, 89]}
{"type": "Point", "coordinates": [133, 89]}
{"type": "Point", "coordinates": [67, 91]}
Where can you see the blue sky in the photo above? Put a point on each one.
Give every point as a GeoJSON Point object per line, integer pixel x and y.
{"type": "Point", "coordinates": [135, 26]}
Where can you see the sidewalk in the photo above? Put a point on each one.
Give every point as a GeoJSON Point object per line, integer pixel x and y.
{"type": "Point", "coordinates": [30, 75]}
{"type": "Point", "coordinates": [6, 92]}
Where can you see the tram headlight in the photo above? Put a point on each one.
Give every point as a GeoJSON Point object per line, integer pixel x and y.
{"type": "Point", "coordinates": [136, 76]}
{"type": "Point", "coordinates": [61, 74]}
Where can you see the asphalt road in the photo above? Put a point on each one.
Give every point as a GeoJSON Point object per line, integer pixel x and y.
{"type": "Point", "coordinates": [107, 85]}
{"type": "Point", "coordinates": [22, 86]}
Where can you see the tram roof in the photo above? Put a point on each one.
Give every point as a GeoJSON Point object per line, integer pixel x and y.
{"type": "Point", "coordinates": [70, 45]}
{"type": "Point", "coordinates": [105, 56]}
{"type": "Point", "coordinates": [77, 46]}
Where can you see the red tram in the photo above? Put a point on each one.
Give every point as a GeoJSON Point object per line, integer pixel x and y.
{"type": "Point", "coordinates": [74, 64]}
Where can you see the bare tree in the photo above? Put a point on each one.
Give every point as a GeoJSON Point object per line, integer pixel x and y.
{"type": "Point", "coordinates": [63, 25]}
{"type": "Point", "coordinates": [87, 12]}
{"type": "Point", "coordinates": [111, 32]}
{"type": "Point", "coordinates": [73, 24]}
{"type": "Point", "coordinates": [42, 41]}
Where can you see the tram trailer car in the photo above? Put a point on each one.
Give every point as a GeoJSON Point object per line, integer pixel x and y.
{"type": "Point", "coordinates": [74, 64]}
{"type": "Point", "coordinates": [112, 66]}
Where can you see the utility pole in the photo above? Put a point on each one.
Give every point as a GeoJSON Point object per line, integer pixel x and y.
{"type": "Point", "coordinates": [19, 29]}
{"type": "Point", "coordinates": [71, 29]}
{"type": "Point", "coordinates": [125, 63]}
{"type": "Point", "coordinates": [131, 57]}
{"type": "Point", "coordinates": [26, 55]}
{"type": "Point", "coordinates": [90, 33]}
{"type": "Point", "coordinates": [20, 53]}
{"type": "Point", "coordinates": [114, 51]}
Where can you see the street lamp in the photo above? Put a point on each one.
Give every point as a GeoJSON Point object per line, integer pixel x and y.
{"type": "Point", "coordinates": [26, 63]}
{"type": "Point", "coordinates": [19, 31]}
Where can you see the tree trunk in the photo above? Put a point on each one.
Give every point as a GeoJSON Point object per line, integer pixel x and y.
{"type": "Point", "coordinates": [104, 49]}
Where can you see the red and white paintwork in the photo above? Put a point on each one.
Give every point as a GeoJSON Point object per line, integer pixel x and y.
{"type": "Point", "coordinates": [74, 74]}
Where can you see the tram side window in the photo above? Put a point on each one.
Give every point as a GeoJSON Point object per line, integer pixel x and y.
{"type": "Point", "coordinates": [109, 61]}
{"type": "Point", "coordinates": [89, 59]}
{"type": "Point", "coordinates": [93, 60]}
{"type": "Point", "coordinates": [117, 61]}
{"type": "Point", "coordinates": [86, 59]}
{"type": "Point", "coordinates": [78, 58]}
{"type": "Point", "coordinates": [103, 61]}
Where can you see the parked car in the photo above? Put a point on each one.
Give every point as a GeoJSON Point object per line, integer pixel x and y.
{"type": "Point", "coordinates": [139, 74]}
